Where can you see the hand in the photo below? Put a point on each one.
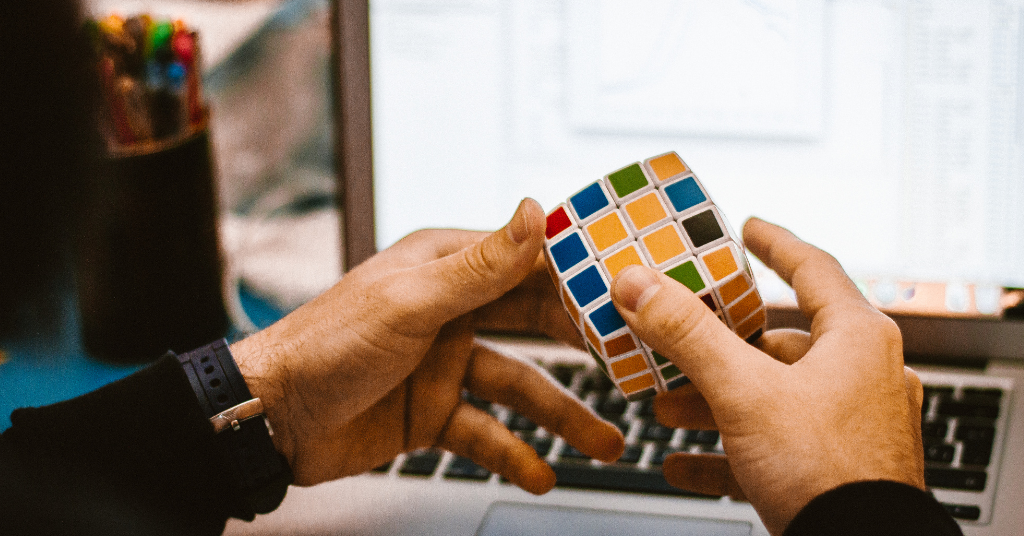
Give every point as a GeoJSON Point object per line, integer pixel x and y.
{"type": "Point", "coordinates": [377, 365]}
{"type": "Point", "coordinates": [800, 414]}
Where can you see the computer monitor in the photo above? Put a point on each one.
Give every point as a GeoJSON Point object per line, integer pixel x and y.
{"type": "Point", "coordinates": [888, 133]}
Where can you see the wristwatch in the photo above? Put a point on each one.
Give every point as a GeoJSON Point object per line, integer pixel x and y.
{"type": "Point", "coordinates": [242, 430]}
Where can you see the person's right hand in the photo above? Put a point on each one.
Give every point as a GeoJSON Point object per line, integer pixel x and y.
{"type": "Point", "coordinates": [379, 364]}
{"type": "Point", "coordinates": [800, 414]}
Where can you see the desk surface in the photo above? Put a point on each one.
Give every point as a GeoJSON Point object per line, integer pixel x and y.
{"type": "Point", "coordinates": [53, 368]}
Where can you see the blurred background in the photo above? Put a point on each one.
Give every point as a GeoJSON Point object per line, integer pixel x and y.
{"type": "Point", "coordinates": [268, 84]}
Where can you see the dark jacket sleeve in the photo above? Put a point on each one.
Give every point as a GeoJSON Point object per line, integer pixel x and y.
{"type": "Point", "coordinates": [134, 457]}
{"type": "Point", "coordinates": [874, 508]}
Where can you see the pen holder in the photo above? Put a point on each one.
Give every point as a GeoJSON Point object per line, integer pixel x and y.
{"type": "Point", "coordinates": [149, 270]}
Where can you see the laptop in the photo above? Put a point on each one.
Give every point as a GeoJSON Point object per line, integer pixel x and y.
{"type": "Point", "coordinates": [888, 133]}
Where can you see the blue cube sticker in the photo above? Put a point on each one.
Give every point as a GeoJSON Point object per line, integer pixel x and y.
{"type": "Point", "coordinates": [684, 194]}
{"type": "Point", "coordinates": [606, 319]}
{"type": "Point", "coordinates": [569, 252]}
{"type": "Point", "coordinates": [589, 201]}
{"type": "Point", "coordinates": [587, 286]}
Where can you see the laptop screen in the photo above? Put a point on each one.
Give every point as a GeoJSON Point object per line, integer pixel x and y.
{"type": "Point", "coordinates": [886, 132]}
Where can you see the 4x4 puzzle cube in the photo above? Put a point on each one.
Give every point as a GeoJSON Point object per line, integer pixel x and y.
{"type": "Point", "coordinates": [655, 213]}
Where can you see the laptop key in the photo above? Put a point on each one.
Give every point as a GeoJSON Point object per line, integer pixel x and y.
{"type": "Point", "coordinates": [466, 469]}
{"type": "Point", "coordinates": [707, 438]}
{"type": "Point", "coordinates": [991, 393]}
{"type": "Point", "coordinates": [647, 409]}
{"type": "Point", "coordinates": [612, 405]}
{"type": "Point", "coordinates": [521, 423]}
{"type": "Point", "coordinates": [938, 452]}
{"type": "Point", "coordinates": [963, 511]}
{"type": "Point", "coordinates": [976, 453]}
{"type": "Point", "coordinates": [955, 479]}
{"type": "Point", "coordinates": [975, 433]}
{"type": "Point", "coordinates": [631, 454]}
{"type": "Point", "coordinates": [616, 479]}
{"type": "Point", "coordinates": [421, 463]}
{"type": "Point", "coordinates": [969, 407]}
{"type": "Point", "coordinates": [596, 381]}
{"type": "Point", "coordinates": [653, 431]}
{"type": "Point", "coordinates": [542, 445]}
{"type": "Point", "coordinates": [661, 453]}
{"type": "Point", "coordinates": [936, 429]}
{"type": "Point", "coordinates": [572, 453]}
{"type": "Point", "coordinates": [565, 373]}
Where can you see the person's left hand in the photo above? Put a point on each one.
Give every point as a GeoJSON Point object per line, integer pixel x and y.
{"type": "Point", "coordinates": [376, 366]}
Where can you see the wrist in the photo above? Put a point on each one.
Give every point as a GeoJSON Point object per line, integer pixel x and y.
{"type": "Point", "coordinates": [257, 361]}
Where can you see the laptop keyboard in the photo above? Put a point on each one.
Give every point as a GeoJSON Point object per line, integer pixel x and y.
{"type": "Point", "coordinates": [963, 423]}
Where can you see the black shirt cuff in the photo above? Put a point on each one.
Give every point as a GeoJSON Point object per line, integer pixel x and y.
{"type": "Point", "coordinates": [874, 508]}
{"type": "Point", "coordinates": [135, 456]}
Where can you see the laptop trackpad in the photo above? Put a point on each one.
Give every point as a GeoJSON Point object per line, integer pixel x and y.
{"type": "Point", "coordinates": [538, 520]}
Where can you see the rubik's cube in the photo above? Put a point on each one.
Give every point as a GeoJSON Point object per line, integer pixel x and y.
{"type": "Point", "coordinates": [655, 213]}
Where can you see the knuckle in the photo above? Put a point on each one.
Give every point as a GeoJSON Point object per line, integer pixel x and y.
{"type": "Point", "coordinates": [811, 258]}
{"type": "Point", "coordinates": [478, 263]}
{"type": "Point", "coordinates": [889, 333]}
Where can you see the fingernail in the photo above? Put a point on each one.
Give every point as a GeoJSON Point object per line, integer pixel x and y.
{"type": "Point", "coordinates": [519, 227]}
{"type": "Point", "coordinates": [634, 286]}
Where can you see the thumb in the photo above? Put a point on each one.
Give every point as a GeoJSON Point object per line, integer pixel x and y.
{"type": "Point", "coordinates": [481, 272]}
{"type": "Point", "coordinates": [672, 320]}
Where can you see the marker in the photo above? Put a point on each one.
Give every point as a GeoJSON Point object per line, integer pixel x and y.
{"type": "Point", "coordinates": [135, 28]}
{"type": "Point", "coordinates": [136, 110]}
{"type": "Point", "coordinates": [161, 41]}
{"type": "Point", "coordinates": [183, 48]}
{"type": "Point", "coordinates": [195, 89]}
{"type": "Point", "coordinates": [115, 104]}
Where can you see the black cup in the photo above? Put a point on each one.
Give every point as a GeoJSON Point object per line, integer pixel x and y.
{"type": "Point", "coordinates": [149, 263]}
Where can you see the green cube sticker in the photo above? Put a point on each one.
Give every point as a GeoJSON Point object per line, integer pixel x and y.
{"type": "Point", "coordinates": [670, 372]}
{"type": "Point", "coordinates": [687, 274]}
{"type": "Point", "coordinates": [658, 358]}
{"type": "Point", "coordinates": [627, 180]}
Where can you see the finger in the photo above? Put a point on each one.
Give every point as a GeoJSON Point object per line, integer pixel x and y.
{"type": "Point", "coordinates": [816, 277]}
{"type": "Point", "coordinates": [785, 345]}
{"type": "Point", "coordinates": [420, 247]}
{"type": "Point", "coordinates": [670, 318]}
{"type": "Point", "coordinates": [708, 474]}
{"type": "Point", "coordinates": [527, 390]}
{"type": "Point", "coordinates": [437, 380]}
{"type": "Point", "coordinates": [426, 296]}
{"type": "Point", "coordinates": [531, 308]}
{"type": "Point", "coordinates": [474, 434]}
{"type": "Point", "coordinates": [684, 407]}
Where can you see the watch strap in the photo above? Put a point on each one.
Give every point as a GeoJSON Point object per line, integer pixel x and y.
{"type": "Point", "coordinates": [262, 472]}
{"type": "Point", "coordinates": [215, 377]}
